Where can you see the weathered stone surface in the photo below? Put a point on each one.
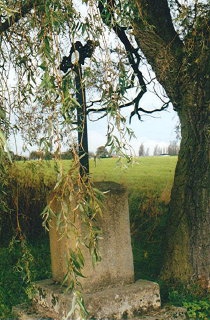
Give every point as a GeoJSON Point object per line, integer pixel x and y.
{"type": "Point", "coordinates": [168, 313]}
{"type": "Point", "coordinates": [26, 312]}
{"type": "Point", "coordinates": [111, 303]}
{"type": "Point", "coordinates": [124, 302]}
{"type": "Point", "coordinates": [116, 266]}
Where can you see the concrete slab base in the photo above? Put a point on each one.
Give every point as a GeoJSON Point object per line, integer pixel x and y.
{"type": "Point", "coordinates": [119, 302]}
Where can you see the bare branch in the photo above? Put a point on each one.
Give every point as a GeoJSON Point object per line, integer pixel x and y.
{"type": "Point", "coordinates": [137, 109]}
{"type": "Point", "coordinates": [132, 53]}
{"type": "Point", "coordinates": [178, 5]}
{"type": "Point", "coordinates": [164, 107]}
{"type": "Point", "coordinates": [91, 103]}
{"type": "Point", "coordinates": [99, 118]}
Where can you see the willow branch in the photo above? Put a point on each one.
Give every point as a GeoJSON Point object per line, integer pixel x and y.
{"type": "Point", "coordinates": [19, 13]}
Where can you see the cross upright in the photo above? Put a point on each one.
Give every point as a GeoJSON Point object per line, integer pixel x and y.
{"type": "Point", "coordinates": [74, 61]}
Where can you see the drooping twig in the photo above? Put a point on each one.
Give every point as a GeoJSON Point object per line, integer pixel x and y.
{"type": "Point", "coordinates": [21, 12]}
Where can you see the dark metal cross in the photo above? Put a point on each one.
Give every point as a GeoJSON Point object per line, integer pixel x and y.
{"type": "Point", "coordinates": [74, 61]}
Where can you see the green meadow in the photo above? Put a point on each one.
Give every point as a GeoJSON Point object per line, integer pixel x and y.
{"type": "Point", "coordinates": [152, 175]}
{"type": "Point", "coordinates": [148, 174]}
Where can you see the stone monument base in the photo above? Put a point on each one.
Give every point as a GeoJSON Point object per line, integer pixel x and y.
{"type": "Point", "coordinates": [120, 302]}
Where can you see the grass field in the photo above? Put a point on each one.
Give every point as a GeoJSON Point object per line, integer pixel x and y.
{"type": "Point", "coordinates": [152, 174]}
{"type": "Point", "coordinates": [146, 173]}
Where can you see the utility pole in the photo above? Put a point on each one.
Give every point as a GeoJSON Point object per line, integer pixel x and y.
{"type": "Point", "coordinates": [74, 61]}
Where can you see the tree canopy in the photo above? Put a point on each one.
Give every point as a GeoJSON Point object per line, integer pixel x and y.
{"type": "Point", "coordinates": [172, 36]}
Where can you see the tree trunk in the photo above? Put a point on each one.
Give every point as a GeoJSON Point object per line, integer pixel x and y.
{"type": "Point", "coordinates": [183, 67]}
{"type": "Point", "coordinates": [188, 251]}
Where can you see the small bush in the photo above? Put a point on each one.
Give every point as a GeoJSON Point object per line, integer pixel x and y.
{"type": "Point", "coordinates": [28, 186]}
{"type": "Point", "coordinates": [195, 299]}
{"type": "Point", "coordinates": [198, 309]}
{"type": "Point", "coordinates": [20, 264]}
{"type": "Point", "coordinates": [148, 216]}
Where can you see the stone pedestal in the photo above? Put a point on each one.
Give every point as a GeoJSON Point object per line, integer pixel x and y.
{"type": "Point", "coordinates": [116, 266]}
{"type": "Point", "coordinates": [119, 302]}
{"type": "Point", "coordinates": [109, 290]}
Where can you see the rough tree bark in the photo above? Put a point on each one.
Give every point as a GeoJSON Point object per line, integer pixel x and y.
{"type": "Point", "coordinates": [183, 68]}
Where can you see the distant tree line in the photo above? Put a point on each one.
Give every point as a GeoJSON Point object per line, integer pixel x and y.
{"type": "Point", "coordinates": [172, 150]}
{"type": "Point", "coordinates": [42, 155]}
{"type": "Point", "coordinates": [16, 157]}
{"type": "Point", "coordinates": [101, 152]}
{"type": "Point", "coordinates": [47, 155]}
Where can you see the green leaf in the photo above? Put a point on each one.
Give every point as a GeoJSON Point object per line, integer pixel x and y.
{"type": "Point", "coordinates": [43, 66]}
{"type": "Point", "coordinates": [46, 47]}
{"type": "Point", "coordinates": [78, 273]}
